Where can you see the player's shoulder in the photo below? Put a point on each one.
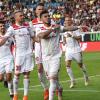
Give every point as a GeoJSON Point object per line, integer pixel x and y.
{"type": "Point", "coordinates": [14, 26]}
{"type": "Point", "coordinates": [77, 31]}
{"type": "Point", "coordinates": [11, 27]}
{"type": "Point", "coordinates": [36, 21]}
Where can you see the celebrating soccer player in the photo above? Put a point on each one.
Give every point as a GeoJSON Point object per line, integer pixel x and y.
{"type": "Point", "coordinates": [38, 55]}
{"type": "Point", "coordinates": [6, 60]}
{"type": "Point", "coordinates": [73, 51]}
{"type": "Point", "coordinates": [23, 36]}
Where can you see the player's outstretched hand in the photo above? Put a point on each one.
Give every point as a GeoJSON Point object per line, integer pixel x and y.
{"type": "Point", "coordinates": [56, 27]}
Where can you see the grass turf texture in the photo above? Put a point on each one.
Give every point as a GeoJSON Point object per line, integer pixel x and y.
{"type": "Point", "coordinates": [80, 92]}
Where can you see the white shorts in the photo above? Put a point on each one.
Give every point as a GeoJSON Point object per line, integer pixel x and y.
{"type": "Point", "coordinates": [24, 63]}
{"type": "Point", "coordinates": [6, 66]}
{"type": "Point", "coordinates": [74, 56]}
{"type": "Point", "coordinates": [52, 67]}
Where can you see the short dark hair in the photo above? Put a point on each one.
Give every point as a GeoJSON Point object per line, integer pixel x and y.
{"type": "Point", "coordinates": [17, 11]}
{"type": "Point", "coordinates": [40, 4]}
{"type": "Point", "coordinates": [2, 22]}
{"type": "Point", "coordinates": [68, 11]}
{"type": "Point", "coordinates": [43, 12]}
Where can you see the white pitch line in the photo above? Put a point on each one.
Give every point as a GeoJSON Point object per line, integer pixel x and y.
{"type": "Point", "coordinates": [68, 90]}
{"type": "Point", "coordinates": [65, 82]}
{"type": "Point", "coordinates": [81, 78]}
{"type": "Point", "coordinates": [81, 90]}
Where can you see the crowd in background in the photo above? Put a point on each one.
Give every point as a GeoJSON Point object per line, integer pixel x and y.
{"type": "Point", "coordinates": [83, 12]}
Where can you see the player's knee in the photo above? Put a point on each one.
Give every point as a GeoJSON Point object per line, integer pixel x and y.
{"type": "Point", "coordinates": [68, 63]}
{"type": "Point", "coordinates": [26, 76]}
{"type": "Point", "coordinates": [40, 69]}
{"type": "Point", "coordinates": [53, 77]}
{"type": "Point", "coordinates": [53, 84]}
{"type": "Point", "coordinates": [68, 66]}
{"type": "Point", "coordinates": [16, 76]}
{"type": "Point", "coordinates": [9, 79]}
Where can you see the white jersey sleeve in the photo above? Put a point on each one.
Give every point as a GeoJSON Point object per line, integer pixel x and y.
{"type": "Point", "coordinates": [72, 45]}
{"type": "Point", "coordinates": [31, 31]}
{"type": "Point", "coordinates": [38, 30]}
{"type": "Point", "coordinates": [10, 32]}
{"type": "Point", "coordinates": [78, 33]}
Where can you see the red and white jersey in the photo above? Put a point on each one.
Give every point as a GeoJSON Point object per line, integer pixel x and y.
{"type": "Point", "coordinates": [35, 23]}
{"type": "Point", "coordinates": [5, 51]}
{"type": "Point", "coordinates": [50, 47]}
{"type": "Point", "coordinates": [72, 45]}
{"type": "Point", "coordinates": [22, 35]}
{"type": "Point", "coordinates": [38, 23]}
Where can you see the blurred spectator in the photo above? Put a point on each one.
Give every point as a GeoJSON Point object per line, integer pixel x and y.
{"type": "Point", "coordinates": [83, 12]}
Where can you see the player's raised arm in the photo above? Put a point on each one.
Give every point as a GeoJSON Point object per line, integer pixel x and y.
{"type": "Point", "coordinates": [51, 32]}
{"type": "Point", "coordinates": [6, 36]}
{"type": "Point", "coordinates": [68, 28]}
{"type": "Point", "coordinates": [47, 30]}
{"type": "Point", "coordinates": [3, 38]}
{"type": "Point", "coordinates": [45, 34]}
{"type": "Point", "coordinates": [78, 37]}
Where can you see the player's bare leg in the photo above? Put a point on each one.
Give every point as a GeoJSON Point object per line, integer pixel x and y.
{"type": "Point", "coordinates": [26, 85]}
{"type": "Point", "coordinates": [59, 90]}
{"type": "Point", "coordinates": [5, 81]}
{"type": "Point", "coordinates": [42, 78]}
{"type": "Point", "coordinates": [70, 73]}
{"type": "Point", "coordinates": [83, 68]}
{"type": "Point", "coordinates": [52, 88]}
{"type": "Point", "coordinates": [10, 84]}
{"type": "Point", "coordinates": [15, 86]}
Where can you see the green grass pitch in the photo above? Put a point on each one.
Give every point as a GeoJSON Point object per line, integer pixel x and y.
{"type": "Point", "coordinates": [80, 92]}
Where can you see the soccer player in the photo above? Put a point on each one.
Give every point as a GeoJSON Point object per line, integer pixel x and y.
{"type": "Point", "coordinates": [51, 53]}
{"type": "Point", "coordinates": [23, 36]}
{"type": "Point", "coordinates": [6, 60]}
{"type": "Point", "coordinates": [49, 36]}
{"type": "Point", "coordinates": [73, 51]}
{"type": "Point", "coordinates": [38, 59]}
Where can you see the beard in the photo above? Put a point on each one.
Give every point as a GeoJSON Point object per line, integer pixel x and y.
{"type": "Point", "coordinates": [3, 31]}
{"type": "Point", "coordinates": [48, 23]}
